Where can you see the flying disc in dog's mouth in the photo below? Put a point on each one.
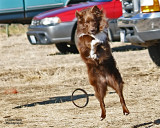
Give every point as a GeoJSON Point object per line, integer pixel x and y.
{"type": "Point", "coordinates": [98, 39]}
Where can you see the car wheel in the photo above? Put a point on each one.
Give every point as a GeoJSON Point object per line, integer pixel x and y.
{"type": "Point", "coordinates": [66, 48]}
{"type": "Point", "coordinates": [154, 52]}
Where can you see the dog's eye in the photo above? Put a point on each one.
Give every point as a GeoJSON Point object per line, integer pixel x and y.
{"type": "Point", "coordinates": [87, 21]}
{"type": "Point", "coordinates": [80, 20]}
{"type": "Point", "coordinates": [92, 20]}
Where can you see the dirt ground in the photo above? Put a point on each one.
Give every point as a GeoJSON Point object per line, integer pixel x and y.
{"type": "Point", "coordinates": [45, 80]}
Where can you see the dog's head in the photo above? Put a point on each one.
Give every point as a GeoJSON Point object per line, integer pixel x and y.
{"type": "Point", "coordinates": [91, 20]}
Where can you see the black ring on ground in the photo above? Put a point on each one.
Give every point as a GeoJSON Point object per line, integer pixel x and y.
{"type": "Point", "coordinates": [87, 97]}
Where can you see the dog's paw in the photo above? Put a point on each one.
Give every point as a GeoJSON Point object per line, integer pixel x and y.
{"type": "Point", "coordinates": [101, 42]}
{"type": "Point", "coordinates": [126, 111]}
{"type": "Point", "coordinates": [103, 117]}
{"type": "Point", "coordinates": [94, 56]}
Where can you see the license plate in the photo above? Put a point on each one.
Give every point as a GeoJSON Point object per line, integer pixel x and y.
{"type": "Point", "coordinates": [33, 39]}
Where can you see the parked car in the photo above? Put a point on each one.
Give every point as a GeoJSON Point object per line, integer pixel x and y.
{"type": "Point", "coordinates": [140, 25]}
{"type": "Point", "coordinates": [22, 11]}
{"type": "Point", "coordinates": [58, 26]}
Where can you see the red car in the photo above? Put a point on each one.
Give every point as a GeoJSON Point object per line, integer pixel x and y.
{"type": "Point", "coordinates": [58, 26]}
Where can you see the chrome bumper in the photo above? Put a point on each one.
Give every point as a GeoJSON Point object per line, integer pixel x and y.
{"type": "Point", "coordinates": [141, 27]}
{"type": "Point", "coordinates": [50, 34]}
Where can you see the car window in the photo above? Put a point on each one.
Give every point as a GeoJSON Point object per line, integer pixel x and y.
{"type": "Point", "coordinates": [76, 1]}
{"type": "Point", "coordinates": [100, 0]}
{"type": "Point", "coordinates": [79, 1]}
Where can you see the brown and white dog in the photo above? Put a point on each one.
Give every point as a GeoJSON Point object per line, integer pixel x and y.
{"type": "Point", "coordinates": [92, 42]}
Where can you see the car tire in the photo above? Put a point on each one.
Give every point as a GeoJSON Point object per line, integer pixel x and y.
{"type": "Point", "coordinates": [66, 48]}
{"type": "Point", "coordinates": [154, 52]}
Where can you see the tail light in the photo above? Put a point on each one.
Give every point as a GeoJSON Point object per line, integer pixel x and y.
{"type": "Point", "coordinates": [150, 5]}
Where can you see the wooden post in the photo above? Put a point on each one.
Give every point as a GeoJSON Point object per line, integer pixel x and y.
{"type": "Point", "coordinates": [7, 30]}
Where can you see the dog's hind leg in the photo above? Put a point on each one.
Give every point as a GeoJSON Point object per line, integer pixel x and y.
{"type": "Point", "coordinates": [118, 87]}
{"type": "Point", "coordinates": [100, 92]}
{"type": "Point", "coordinates": [119, 90]}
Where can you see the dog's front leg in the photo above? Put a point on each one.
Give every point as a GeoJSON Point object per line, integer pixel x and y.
{"type": "Point", "coordinates": [94, 44]}
{"type": "Point", "coordinates": [93, 50]}
{"type": "Point", "coordinates": [100, 93]}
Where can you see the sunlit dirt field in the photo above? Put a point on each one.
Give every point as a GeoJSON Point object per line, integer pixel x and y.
{"type": "Point", "coordinates": [45, 79]}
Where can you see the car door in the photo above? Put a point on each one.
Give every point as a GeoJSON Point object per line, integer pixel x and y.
{"type": "Point", "coordinates": [11, 9]}
{"type": "Point", "coordinates": [34, 7]}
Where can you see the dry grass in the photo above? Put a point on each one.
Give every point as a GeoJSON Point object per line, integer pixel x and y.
{"type": "Point", "coordinates": [46, 79]}
{"type": "Point", "coordinates": [14, 29]}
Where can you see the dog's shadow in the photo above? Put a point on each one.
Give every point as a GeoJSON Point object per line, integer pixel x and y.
{"type": "Point", "coordinates": [54, 100]}
{"type": "Point", "coordinates": [59, 99]}
{"type": "Point", "coordinates": [127, 48]}
{"type": "Point", "coordinates": [148, 125]}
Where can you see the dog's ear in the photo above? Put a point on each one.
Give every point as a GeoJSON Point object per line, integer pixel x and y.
{"type": "Point", "coordinates": [103, 23]}
{"type": "Point", "coordinates": [78, 15]}
{"type": "Point", "coordinates": [95, 9]}
{"type": "Point", "coordinates": [101, 11]}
